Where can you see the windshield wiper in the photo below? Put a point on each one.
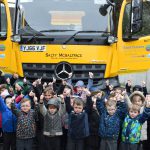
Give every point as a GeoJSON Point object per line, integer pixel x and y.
{"type": "Point", "coordinates": [90, 31]}
{"type": "Point", "coordinates": [37, 37]}
{"type": "Point", "coordinates": [32, 34]}
{"type": "Point", "coordinates": [55, 30]}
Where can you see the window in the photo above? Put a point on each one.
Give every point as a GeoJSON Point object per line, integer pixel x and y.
{"type": "Point", "coordinates": [12, 10]}
{"type": "Point", "coordinates": [126, 21]}
{"type": "Point", "coordinates": [146, 20]}
{"type": "Point", "coordinates": [3, 21]}
{"type": "Point", "coordinates": [145, 17]}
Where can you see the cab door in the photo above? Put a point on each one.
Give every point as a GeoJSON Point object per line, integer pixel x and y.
{"type": "Point", "coordinates": [134, 48]}
{"type": "Point", "coordinates": [7, 53]}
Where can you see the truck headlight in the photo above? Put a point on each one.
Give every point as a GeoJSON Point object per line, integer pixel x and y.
{"type": "Point", "coordinates": [112, 39]}
{"type": "Point", "coordinates": [16, 38]}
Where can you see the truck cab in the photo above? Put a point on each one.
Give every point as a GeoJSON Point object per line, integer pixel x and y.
{"type": "Point", "coordinates": [66, 37]}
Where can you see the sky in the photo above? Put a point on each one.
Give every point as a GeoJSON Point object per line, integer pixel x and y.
{"type": "Point", "coordinates": [11, 0]}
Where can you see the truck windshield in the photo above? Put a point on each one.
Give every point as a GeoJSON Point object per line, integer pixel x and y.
{"type": "Point", "coordinates": [12, 10]}
{"type": "Point", "coordinates": [65, 15]}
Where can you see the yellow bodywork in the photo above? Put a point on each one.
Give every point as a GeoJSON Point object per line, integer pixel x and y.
{"type": "Point", "coordinates": [75, 54]}
{"type": "Point", "coordinates": [7, 51]}
{"type": "Point", "coordinates": [134, 56]}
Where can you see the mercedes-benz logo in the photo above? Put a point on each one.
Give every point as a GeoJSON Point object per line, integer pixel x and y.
{"type": "Point", "coordinates": [63, 70]}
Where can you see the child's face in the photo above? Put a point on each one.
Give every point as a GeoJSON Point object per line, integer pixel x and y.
{"type": "Point", "coordinates": [111, 110]}
{"type": "Point", "coordinates": [11, 90]}
{"type": "Point", "coordinates": [2, 90]}
{"type": "Point", "coordinates": [52, 109]}
{"type": "Point", "coordinates": [26, 106]}
{"type": "Point", "coordinates": [118, 91]}
{"type": "Point", "coordinates": [18, 87]}
{"type": "Point", "coordinates": [133, 113]}
{"type": "Point", "coordinates": [48, 96]}
{"type": "Point", "coordinates": [137, 100]}
{"type": "Point", "coordinates": [8, 102]}
{"type": "Point", "coordinates": [77, 108]}
{"type": "Point", "coordinates": [79, 89]}
{"type": "Point", "coordinates": [2, 93]}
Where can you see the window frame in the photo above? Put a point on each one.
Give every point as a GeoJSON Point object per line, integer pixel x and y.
{"type": "Point", "coordinates": [126, 36]}
{"type": "Point", "coordinates": [3, 37]}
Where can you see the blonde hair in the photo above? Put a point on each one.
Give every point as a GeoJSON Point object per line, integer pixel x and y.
{"type": "Point", "coordinates": [120, 88]}
{"type": "Point", "coordinates": [78, 101]}
{"type": "Point", "coordinates": [111, 97]}
{"type": "Point", "coordinates": [25, 100]}
{"type": "Point", "coordinates": [110, 103]}
{"type": "Point", "coordinates": [2, 87]}
{"type": "Point", "coordinates": [134, 107]}
{"type": "Point", "coordinates": [49, 90]}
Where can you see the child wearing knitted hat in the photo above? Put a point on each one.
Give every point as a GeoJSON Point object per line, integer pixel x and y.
{"type": "Point", "coordinates": [52, 121]}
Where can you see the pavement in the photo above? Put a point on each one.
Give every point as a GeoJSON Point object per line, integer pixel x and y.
{"type": "Point", "coordinates": [1, 148]}
{"type": "Point", "coordinates": [35, 148]}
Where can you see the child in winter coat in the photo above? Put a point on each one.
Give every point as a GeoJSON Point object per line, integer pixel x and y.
{"type": "Point", "coordinates": [111, 115]}
{"type": "Point", "coordinates": [78, 127]}
{"type": "Point", "coordinates": [138, 98]}
{"type": "Point", "coordinates": [92, 142]}
{"type": "Point", "coordinates": [48, 94]}
{"type": "Point", "coordinates": [0, 128]}
{"type": "Point", "coordinates": [52, 122]}
{"type": "Point", "coordinates": [26, 124]}
{"type": "Point", "coordinates": [131, 129]}
{"type": "Point", "coordinates": [8, 123]}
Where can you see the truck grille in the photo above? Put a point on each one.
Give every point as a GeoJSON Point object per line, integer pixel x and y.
{"type": "Point", "coordinates": [80, 71]}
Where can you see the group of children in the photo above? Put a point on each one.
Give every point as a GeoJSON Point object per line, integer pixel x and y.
{"type": "Point", "coordinates": [72, 117]}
